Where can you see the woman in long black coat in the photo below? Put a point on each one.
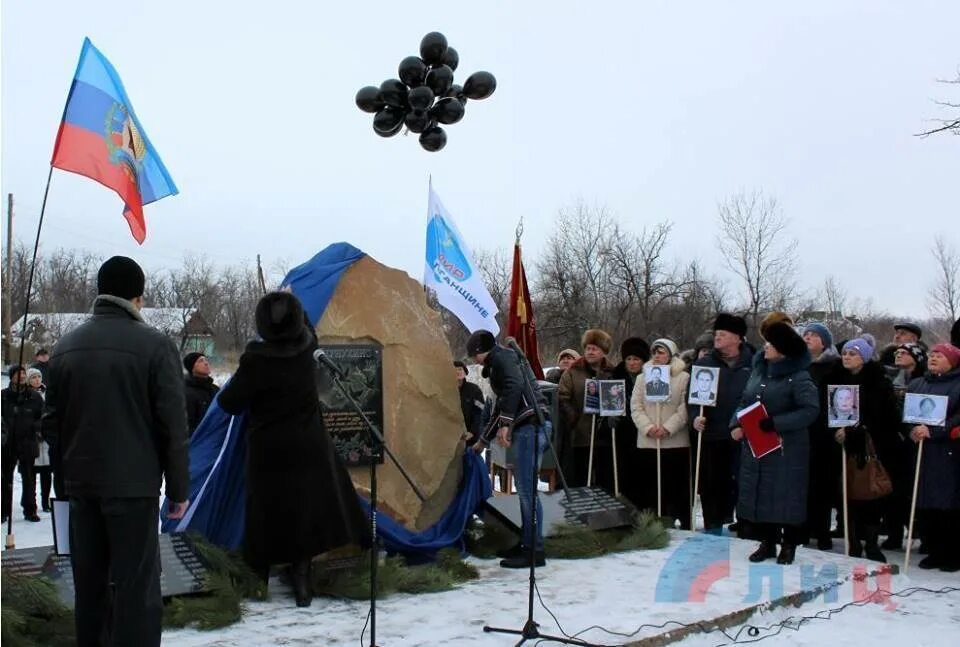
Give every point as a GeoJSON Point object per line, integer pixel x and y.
{"type": "Point", "coordinates": [300, 500]}
{"type": "Point", "coordinates": [773, 488]}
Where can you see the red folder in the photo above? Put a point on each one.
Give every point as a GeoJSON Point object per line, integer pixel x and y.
{"type": "Point", "coordinates": [761, 442]}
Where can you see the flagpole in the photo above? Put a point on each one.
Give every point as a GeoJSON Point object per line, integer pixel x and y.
{"type": "Point", "coordinates": [11, 540]}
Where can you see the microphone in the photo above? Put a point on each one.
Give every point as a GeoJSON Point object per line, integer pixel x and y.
{"type": "Point", "coordinates": [321, 358]}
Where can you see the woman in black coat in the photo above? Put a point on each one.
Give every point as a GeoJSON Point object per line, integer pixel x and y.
{"type": "Point", "coordinates": [634, 353]}
{"type": "Point", "coordinates": [300, 500]}
{"type": "Point", "coordinates": [773, 488]}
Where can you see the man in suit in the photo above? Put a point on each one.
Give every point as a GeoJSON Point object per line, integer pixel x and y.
{"type": "Point", "coordinates": [657, 387]}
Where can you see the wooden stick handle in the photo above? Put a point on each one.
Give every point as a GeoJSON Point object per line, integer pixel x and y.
{"type": "Point", "coordinates": [593, 430]}
{"type": "Point", "coordinates": [913, 508]}
{"type": "Point", "coordinates": [659, 483]}
{"type": "Point", "coordinates": [616, 474]}
{"type": "Point", "coordinates": [846, 506]}
{"type": "Point", "coordinates": [696, 482]}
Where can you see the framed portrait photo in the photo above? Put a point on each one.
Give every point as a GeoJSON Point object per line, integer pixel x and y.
{"type": "Point", "coordinates": [656, 382]}
{"type": "Point", "coordinates": [843, 405]}
{"type": "Point", "coordinates": [613, 397]}
{"type": "Point", "coordinates": [591, 396]}
{"type": "Point", "coordinates": [925, 409]}
{"type": "Point", "coordinates": [703, 385]}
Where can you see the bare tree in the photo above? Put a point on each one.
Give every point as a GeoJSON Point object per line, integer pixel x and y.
{"type": "Point", "coordinates": [944, 295]}
{"type": "Point", "coordinates": [835, 298]}
{"type": "Point", "coordinates": [756, 247]}
{"type": "Point", "coordinates": [950, 124]}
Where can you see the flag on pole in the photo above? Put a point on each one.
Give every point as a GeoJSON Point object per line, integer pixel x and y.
{"type": "Point", "coordinates": [101, 138]}
{"type": "Point", "coordinates": [521, 323]}
{"type": "Point", "coordinates": [452, 274]}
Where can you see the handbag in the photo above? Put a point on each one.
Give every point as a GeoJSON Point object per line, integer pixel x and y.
{"type": "Point", "coordinates": [871, 481]}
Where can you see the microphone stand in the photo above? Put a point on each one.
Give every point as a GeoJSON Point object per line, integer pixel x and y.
{"type": "Point", "coordinates": [377, 443]}
{"type": "Point", "coordinates": [531, 630]}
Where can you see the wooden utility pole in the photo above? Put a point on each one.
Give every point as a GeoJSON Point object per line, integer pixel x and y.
{"type": "Point", "coordinates": [8, 288]}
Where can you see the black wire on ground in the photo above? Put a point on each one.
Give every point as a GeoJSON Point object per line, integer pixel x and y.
{"type": "Point", "coordinates": [364, 630]}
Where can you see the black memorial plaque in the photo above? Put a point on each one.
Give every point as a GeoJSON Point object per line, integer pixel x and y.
{"type": "Point", "coordinates": [591, 507]}
{"type": "Point", "coordinates": [362, 367]}
{"type": "Point", "coordinates": [182, 571]}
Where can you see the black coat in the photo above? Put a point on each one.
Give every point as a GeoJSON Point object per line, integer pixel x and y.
{"type": "Point", "coordinates": [115, 409]}
{"type": "Point", "coordinates": [21, 424]}
{"type": "Point", "coordinates": [471, 404]}
{"type": "Point", "coordinates": [773, 489]}
{"type": "Point", "coordinates": [199, 393]}
{"type": "Point", "coordinates": [939, 486]}
{"type": "Point", "coordinates": [513, 407]}
{"type": "Point", "coordinates": [300, 500]}
{"type": "Point", "coordinates": [730, 385]}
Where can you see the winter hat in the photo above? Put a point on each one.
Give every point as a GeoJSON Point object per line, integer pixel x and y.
{"type": "Point", "coordinates": [703, 342]}
{"type": "Point", "coordinates": [33, 371]}
{"type": "Point", "coordinates": [731, 323]}
{"type": "Point", "coordinates": [279, 317]}
{"type": "Point", "coordinates": [120, 276]}
{"type": "Point", "coordinates": [821, 331]}
{"type": "Point", "coordinates": [774, 317]}
{"type": "Point", "coordinates": [635, 346]}
{"type": "Point", "coordinates": [951, 352]}
{"type": "Point", "coordinates": [667, 344]}
{"type": "Point", "coordinates": [190, 359]}
{"type": "Point", "coordinates": [862, 346]}
{"type": "Point", "coordinates": [909, 326]}
{"type": "Point", "coordinates": [458, 364]}
{"type": "Point", "coordinates": [599, 338]}
{"type": "Point", "coordinates": [568, 351]}
{"type": "Point", "coordinates": [785, 339]}
{"type": "Point", "coordinates": [481, 341]}
{"type": "Point", "coordinates": [916, 351]}
{"type": "Point", "coordinates": [41, 351]}
{"type": "Point", "coordinates": [13, 370]}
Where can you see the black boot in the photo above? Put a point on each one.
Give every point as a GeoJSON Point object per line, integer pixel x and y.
{"type": "Point", "coordinates": [514, 551]}
{"type": "Point", "coordinates": [825, 543]}
{"type": "Point", "coordinates": [766, 550]}
{"type": "Point", "coordinates": [871, 547]}
{"type": "Point", "coordinates": [301, 583]}
{"type": "Point", "coordinates": [856, 548]}
{"type": "Point", "coordinates": [787, 553]}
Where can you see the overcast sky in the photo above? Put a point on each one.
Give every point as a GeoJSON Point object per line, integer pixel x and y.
{"type": "Point", "coordinates": [656, 109]}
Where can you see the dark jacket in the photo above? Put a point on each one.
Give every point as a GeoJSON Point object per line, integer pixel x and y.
{"type": "Point", "coordinates": [773, 489]}
{"type": "Point", "coordinates": [471, 404]}
{"type": "Point", "coordinates": [571, 392]}
{"type": "Point", "coordinates": [513, 407]}
{"type": "Point", "coordinates": [22, 411]}
{"type": "Point", "coordinates": [199, 393]}
{"type": "Point", "coordinates": [939, 486]}
{"type": "Point", "coordinates": [115, 407]}
{"type": "Point", "coordinates": [626, 430]}
{"type": "Point", "coordinates": [300, 499]}
{"type": "Point", "coordinates": [822, 443]}
{"type": "Point", "coordinates": [730, 385]}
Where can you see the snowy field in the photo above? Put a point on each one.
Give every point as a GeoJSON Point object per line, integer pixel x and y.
{"type": "Point", "coordinates": [618, 592]}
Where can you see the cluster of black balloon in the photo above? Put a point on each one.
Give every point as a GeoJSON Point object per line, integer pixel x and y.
{"type": "Point", "coordinates": [425, 95]}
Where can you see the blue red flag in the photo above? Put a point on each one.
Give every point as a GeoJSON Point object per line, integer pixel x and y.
{"type": "Point", "coordinates": [101, 138]}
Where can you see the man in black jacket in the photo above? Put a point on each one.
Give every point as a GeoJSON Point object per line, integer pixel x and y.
{"type": "Point", "coordinates": [471, 403]}
{"type": "Point", "coordinates": [198, 388]}
{"type": "Point", "coordinates": [116, 409]}
{"type": "Point", "coordinates": [22, 408]}
{"type": "Point", "coordinates": [514, 422]}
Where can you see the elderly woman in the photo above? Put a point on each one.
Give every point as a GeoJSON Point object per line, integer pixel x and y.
{"type": "Point", "coordinates": [666, 422]}
{"type": "Point", "coordinates": [634, 353]}
{"type": "Point", "coordinates": [938, 498]}
{"type": "Point", "coordinates": [773, 488]}
{"type": "Point", "coordinates": [41, 464]}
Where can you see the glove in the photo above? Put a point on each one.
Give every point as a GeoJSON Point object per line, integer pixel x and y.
{"type": "Point", "coordinates": [767, 425]}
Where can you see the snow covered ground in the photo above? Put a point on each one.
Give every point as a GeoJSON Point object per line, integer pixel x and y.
{"type": "Point", "coordinates": [695, 578]}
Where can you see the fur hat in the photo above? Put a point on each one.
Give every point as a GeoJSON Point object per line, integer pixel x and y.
{"type": "Point", "coordinates": [568, 352]}
{"type": "Point", "coordinates": [13, 370]}
{"type": "Point", "coordinates": [730, 323]}
{"type": "Point", "coordinates": [821, 331]}
{"type": "Point", "coordinates": [120, 276]}
{"type": "Point", "coordinates": [862, 346]}
{"type": "Point", "coordinates": [774, 317]}
{"type": "Point", "coordinates": [481, 341]}
{"type": "Point", "coordinates": [189, 360]}
{"type": "Point", "coordinates": [668, 344]}
{"type": "Point", "coordinates": [951, 352]}
{"type": "Point", "coordinates": [635, 346]}
{"type": "Point", "coordinates": [598, 338]}
{"type": "Point", "coordinates": [785, 339]}
{"type": "Point", "coordinates": [279, 317]}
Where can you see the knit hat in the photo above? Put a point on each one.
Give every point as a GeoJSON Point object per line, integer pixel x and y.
{"type": "Point", "coordinates": [32, 372]}
{"type": "Point", "coordinates": [916, 351]}
{"type": "Point", "coordinates": [458, 364]}
{"type": "Point", "coordinates": [821, 331]}
{"type": "Point", "coordinates": [120, 276]}
{"type": "Point", "coordinates": [785, 339]}
{"type": "Point", "coordinates": [635, 346]}
{"type": "Point", "coordinates": [189, 360]}
{"type": "Point", "coordinates": [481, 341]}
{"type": "Point", "coordinates": [597, 337]}
{"type": "Point", "coordinates": [862, 346]}
{"type": "Point", "coordinates": [951, 352]}
{"type": "Point", "coordinates": [774, 317]}
{"type": "Point", "coordinates": [731, 323]}
{"type": "Point", "coordinates": [910, 326]}
{"type": "Point", "coordinates": [668, 344]}
{"type": "Point", "coordinates": [568, 351]}
{"type": "Point", "coordinates": [279, 317]}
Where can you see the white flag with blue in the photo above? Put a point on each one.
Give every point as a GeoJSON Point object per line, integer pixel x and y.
{"type": "Point", "coordinates": [452, 274]}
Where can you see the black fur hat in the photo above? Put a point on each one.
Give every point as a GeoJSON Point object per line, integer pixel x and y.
{"type": "Point", "coordinates": [279, 317]}
{"type": "Point", "coordinates": [731, 323]}
{"type": "Point", "coordinates": [635, 346]}
{"type": "Point", "coordinates": [785, 339]}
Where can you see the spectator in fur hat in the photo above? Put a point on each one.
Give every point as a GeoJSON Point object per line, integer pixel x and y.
{"type": "Point", "coordinates": [634, 352]}
{"type": "Point", "coordinates": [774, 317]}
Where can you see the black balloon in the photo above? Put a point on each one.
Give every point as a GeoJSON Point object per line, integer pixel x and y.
{"type": "Point", "coordinates": [448, 110]}
{"type": "Point", "coordinates": [433, 48]}
{"type": "Point", "coordinates": [412, 71]}
{"type": "Point", "coordinates": [433, 139]}
{"type": "Point", "coordinates": [439, 79]}
{"type": "Point", "coordinates": [479, 85]}
{"type": "Point", "coordinates": [456, 91]}
{"type": "Point", "coordinates": [420, 98]}
{"type": "Point", "coordinates": [368, 99]}
{"type": "Point", "coordinates": [388, 121]}
{"type": "Point", "coordinates": [417, 120]}
{"type": "Point", "coordinates": [394, 93]}
{"type": "Point", "coordinates": [451, 59]}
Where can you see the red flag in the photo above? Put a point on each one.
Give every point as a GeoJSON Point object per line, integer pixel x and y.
{"type": "Point", "coordinates": [521, 323]}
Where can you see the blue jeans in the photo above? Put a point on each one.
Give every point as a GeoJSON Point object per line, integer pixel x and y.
{"type": "Point", "coordinates": [524, 477]}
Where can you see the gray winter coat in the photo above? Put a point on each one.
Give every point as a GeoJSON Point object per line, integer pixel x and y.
{"type": "Point", "coordinates": [773, 489]}
{"type": "Point", "coordinates": [939, 486]}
